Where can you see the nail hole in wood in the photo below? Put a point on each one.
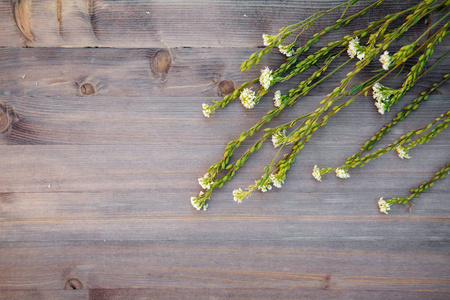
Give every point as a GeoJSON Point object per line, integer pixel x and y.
{"type": "Point", "coordinates": [73, 284]}
{"type": "Point", "coordinates": [226, 87]}
{"type": "Point", "coordinates": [87, 89]}
{"type": "Point", "coordinates": [162, 61]}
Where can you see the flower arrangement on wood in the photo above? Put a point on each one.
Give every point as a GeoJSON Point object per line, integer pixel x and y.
{"type": "Point", "coordinates": [367, 45]}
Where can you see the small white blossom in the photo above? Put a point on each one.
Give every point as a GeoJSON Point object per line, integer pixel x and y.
{"type": "Point", "coordinates": [248, 98]}
{"type": "Point", "coordinates": [266, 78]}
{"type": "Point", "coordinates": [286, 50]}
{"type": "Point", "coordinates": [316, 173]}
{"type": "Point", "coordinates": [402, 153]}
{"type": "Point", "coordinates": [341, 173]}
{"type": "Point", "coordinates": [197, 204]}
{"type": "Point", "coordinates": [279, 138]}
{"type": "Point", "coordinates": [206, 181]}
{"type": "Point", "coordinates": [264, 188]}
{"type": "Point", "coordinates": [267, 39]}
{"type": "Point", "coordinates": [206, 110]}
{"type": "Point", "coordinates": [383, 97]}
{"type": "Point", "coordinates": [238, 195]}
{"type": "Point", "coordinates": [277, 180]}
{"type": "Point", "coordinates": [277, 99]}
{"type": "Point", "coordinates": [385, 60]}
{"type": "Point", "coordinates": [360, 55]}
{"type": "Point", "coordinates": [383, 206]}
{"type": "Point", "coordinates": [381, 107]}
{"type": "Point", "coordinates": [352, 49]}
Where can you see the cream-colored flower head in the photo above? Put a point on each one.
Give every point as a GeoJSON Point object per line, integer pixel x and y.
{"type": "Point", "coordinates": [383, 97]}
{"type": "Point", "coordinates": [267, 39]}
{"type": "Point", "coordinates": [264, 188]}
{"type": "Point", "coordinates": [206, 110]}
{"type": "Point", "coordinates": [381, 107]}
{"type": "Point", "coordinates": [402, 153]}
{"type": "Point", "coordinates": [277, 180]}
{"type": "Point", "coordinates": [286, 50]}
{"type": "Point", "coordinates": [352, 49]}
{"type": "Point", "coordinates": [383, 206]}
{"type": "Point", "coordinates": [316, 173]}
{"type": "Point", "coordinates": [341, 173]}
{"type": "Point", "coordinates": [238, 195]}
{"type": "Point", "coordinates": [248, 98]}
{"type": "Point", "coordinates": [206, 181]}
{"type": "Point", "coordinates": [197, 204]}
{"type": "Point", "coordinates": [277, 99]}
{"type": "Point", "coordinates": [279, 138]}
{"type": "Point", "coordinates": [266, 78]}
{"type": "Point", "coordinates": [385, 60]}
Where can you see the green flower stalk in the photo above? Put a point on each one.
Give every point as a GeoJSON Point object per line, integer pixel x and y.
{"type": "Point", "coordinates": [384, 205]}
{"type": "Point", "coordinates": [408, 140]}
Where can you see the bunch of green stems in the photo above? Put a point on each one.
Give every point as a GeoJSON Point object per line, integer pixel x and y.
{"type": "Point", "coordinates": [380, 36]}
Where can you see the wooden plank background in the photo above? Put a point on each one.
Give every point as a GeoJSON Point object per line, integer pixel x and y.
{"type": "Point", "coordinates": [96, 176]}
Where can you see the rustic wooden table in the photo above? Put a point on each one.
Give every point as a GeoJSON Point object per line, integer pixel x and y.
{"type": "Point", "coordinates": [96, 175]}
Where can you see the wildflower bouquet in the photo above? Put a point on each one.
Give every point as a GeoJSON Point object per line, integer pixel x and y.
{"type": "Point", "coordinates": [367, 45]}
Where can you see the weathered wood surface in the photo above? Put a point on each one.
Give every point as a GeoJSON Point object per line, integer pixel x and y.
{"type": "Point", "coordinates": [96, 175]}
{"type": "Point", "coordinates": [141, 23]}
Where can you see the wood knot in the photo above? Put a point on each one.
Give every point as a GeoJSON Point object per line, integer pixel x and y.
{"type": "Point", "coordinates": [73, 284]}
{"type": "Point", "coordinates": [8, 117]}
{"type": "Point", "coordinates": [226, 87]}
{"type": "Point", "coordinates": [162, 61]}
{"type": "Point", "coordinates": [22, 15]}
{"type": "Point", "coordinates": [326, 282]}
{"type": "Point", "coordinates": [86, 88]}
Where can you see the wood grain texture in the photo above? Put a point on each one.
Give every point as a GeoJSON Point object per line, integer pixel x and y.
{"type": "Point", "coordinates": [137, 24]}
{"type": "Point", "coordinates": [97, 169]}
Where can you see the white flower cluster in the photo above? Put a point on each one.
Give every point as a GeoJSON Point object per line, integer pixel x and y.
{"type": "Point", "coordinates": [277, 99]}
{"type": "Point", "coordinates": [383, 206]}
{"type": "Point", "coordinates": [248, 98]}
{"type": "Point", "coordinates": [286, 50]}
{"type": "Point", "coordinates": [279, 138]}
{"type": "Point", "coordinates": [264, 188]}
{"type": "Point", "coordinates": [266, 78]}
{"type": "Point", "coordinates": [277, 180]}
{"type": "Point", "coordinates": [238, 195]}
{"type": "Point", "coordinates": [206, 181]}
{"type": "Point", "coordinates": [385, 60]}
{"type": "Point", "coordinates": [354, 49]}
{"type": "Point", "coordinates": [382, 96]}
{"type": "Point", "coordinates": [206, 110]}
{"type": "Point", "coordinates": [198, 204]}
{"type": "Point", "coordinates": [341, 173]}
{"type": "Point", "coordinates": [267, 39]}
{"type": "Point", "coordinates": [316, 173]}
{"type": "Point", "coordinates": [402, 153]}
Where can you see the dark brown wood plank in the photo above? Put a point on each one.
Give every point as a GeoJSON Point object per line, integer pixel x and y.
{"type": "Point", "coordinates": [137, 24]}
